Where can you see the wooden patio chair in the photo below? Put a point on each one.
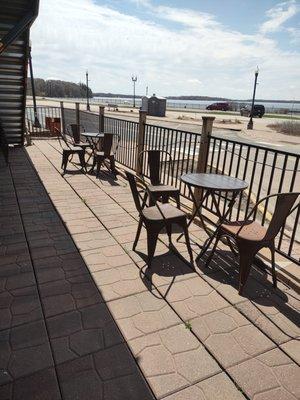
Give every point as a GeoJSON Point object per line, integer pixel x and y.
{"type": "Point", "coordinates": [155, 218]}
{"type": "Point", "coordinates": [74, 133]}
{"type": "Point", "coordinates": [68, 150]}
{"type": "Point", "coordinates": [110, 145]}
{"type": "Point", "coordinates": [158, 190]}
{"type": "Point", "coordinates": [250, 236]}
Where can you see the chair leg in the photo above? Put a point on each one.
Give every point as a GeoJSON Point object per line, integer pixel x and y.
{"type": "Point", "coordinates": [137, 236]}
{"type": "Point", "coordinates": [113, 164]}
{"type": "Point", "coordinates": [65, 162]}
{"type": "Point", "coordinates": [188, 243]}
{"type": "Point", "coordinates": [145, 200]}
{"type": "Point", "coordinates": [169, 232]}
{"type": "Point", "coordinates": [272, 249]}
{"type": "Point", "coordinates": [99, 163]}
{"type": "Point", "coordinates": [246, 259]}
{"type": "Point", "coordinates": [177, 198]}
{"type": "Point", "coordinates": [82, 160]}
{"type": "Point", "coordinates": [151, 244]}
{"type": "Point", "coordinates": [212, 252]}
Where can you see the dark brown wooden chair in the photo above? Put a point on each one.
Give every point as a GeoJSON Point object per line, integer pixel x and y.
{"type": "Point", "coordinates": [250, 236]}
{"type": "Point", "coordinates": [156, 218]}
{"type": "Point", "coordinates": [74, 132]}
{"type": "Point", "coordinates": [110, 145]}
{"type": "Point", "coordinates": [159, 190]}
{"type": "Point", "coordinates": [69, 150]}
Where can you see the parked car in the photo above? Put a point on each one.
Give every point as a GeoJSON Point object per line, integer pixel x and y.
{"type": "Point", "coordinates": [258, 110]}
{"type": "Point", "coordinates": [219, 106]}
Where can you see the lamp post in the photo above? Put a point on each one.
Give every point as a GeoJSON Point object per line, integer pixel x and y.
{"type": "Point", "coordinates": [134, 79]}
{"type": "Point", "coordinates": [36, 123]}
{"type": "Point", "coordinates": [250, 123]}
{"type": "Point", "coordinates": [87, 91]}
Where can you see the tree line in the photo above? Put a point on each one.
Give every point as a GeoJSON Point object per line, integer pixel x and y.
{"type": "Point", "coordinates": [56, 88]}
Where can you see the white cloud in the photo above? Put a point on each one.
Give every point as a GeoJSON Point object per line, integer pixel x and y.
{"type": "Point", "coordinates": [71, 36]}
{"type": "Point", "coordinates": [194, 80]}
{"type": "Point", "coordinates": [278, 15]}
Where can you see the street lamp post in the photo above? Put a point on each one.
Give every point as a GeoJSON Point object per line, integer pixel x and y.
{"type": "Point", "coordinates": [87, 91]}
{"type": "Point", "coordinates": [250, 123]}
{"type": "Point", "coordinates": [36, 123]}
{"type": "Point", "coordinates": [134, 79]}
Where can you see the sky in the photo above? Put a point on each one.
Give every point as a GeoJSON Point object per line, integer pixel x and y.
{"type": "Point", "coordinates": [175, 47]}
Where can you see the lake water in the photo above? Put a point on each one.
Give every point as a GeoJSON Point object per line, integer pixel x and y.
{"type": "Point", "coordinates": [201, 104]}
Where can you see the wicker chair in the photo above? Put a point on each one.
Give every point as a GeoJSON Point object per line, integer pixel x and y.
{"type": "Point", "coordinates": [156, 218]}
{"type": "Point", "coordinates": [250, 236]}
{"type": "Point", "coordinates": [69, 150]}
{"type": "Point", "coordinates": [157, 189]}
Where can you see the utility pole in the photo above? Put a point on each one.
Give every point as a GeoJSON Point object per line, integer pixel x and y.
{"type": "Point", "coordinates": [134, 79]}
{"type": "Point", "coordinates": [250, 123]}
{"type": "Point", "coordinates": [146, 90]}
{"type": "Point", "coordinates": [36, 120]}
{"type": "Point", "coordinates": [87, 92]}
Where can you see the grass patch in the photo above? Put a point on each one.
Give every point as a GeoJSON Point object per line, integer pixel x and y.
{"type": "Point", "coordinates": [293, 118]}
{"type": "Point", "coordinates": [291, 127]}
{"type": "Point", "coordinates": [188, 325]}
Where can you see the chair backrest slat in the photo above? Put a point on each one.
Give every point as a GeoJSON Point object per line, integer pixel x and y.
{"type": "Point", "coordinates": [155, 158]}
{"type": "Point", "coordinates": [107, 144]}
{"type": "Point", "coordinates": [134, 190]}
{"type": "Point", "coordinates": [283, 207]}
{"type": "Point", "coordinates": [75, 131]}
{"type": "Point", "coordinates": [154, 166]}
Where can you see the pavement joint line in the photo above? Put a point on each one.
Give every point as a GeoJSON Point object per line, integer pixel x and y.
{"type": "Point", "coordinates": [183, 322]}
{"type": "Point", "coordinates": [36, 281]}
{"type": "Point", "coordinates": [157, 288]}
{"type": "Point", "coordinates": [125, 341]}
{"type": "Point", "coordinates": [121, 205]}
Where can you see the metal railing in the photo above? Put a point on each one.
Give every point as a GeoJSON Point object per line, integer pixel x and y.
{"type": "Point", "coordinates": [267, 170]}
{"type": "Point", "coordinates": [3, 143]}
{"type": "Point", "coordinates": [45, 115]}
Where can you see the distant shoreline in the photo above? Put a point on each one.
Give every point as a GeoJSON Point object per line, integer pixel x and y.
{"type": "Point", "coordinates": [196, 98]}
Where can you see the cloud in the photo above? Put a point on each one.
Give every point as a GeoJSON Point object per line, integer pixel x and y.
{"type": "Point", "coordinates": [71, 36]}
{"type": "Point", "coordinates": [295, 34]}
{"type": "Point", "coordinates": [194, 80]}
{"type": "Point", "coordinates": [278, 15]}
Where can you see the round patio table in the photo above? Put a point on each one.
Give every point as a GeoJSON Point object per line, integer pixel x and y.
{"type": "Point", "coordinates": [211, 185]}
{"type": "Point", "coordinates": [94, 139]}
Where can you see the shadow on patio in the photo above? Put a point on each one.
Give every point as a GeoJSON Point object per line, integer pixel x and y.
{"type": "Point", "coordinates": [58, 338]}
{"type": "Point", "coordinates": [76, 298]}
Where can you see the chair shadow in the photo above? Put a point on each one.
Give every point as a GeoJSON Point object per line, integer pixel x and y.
{"type": "Point", "coordinates": [224, 269]}
{"type": "Point", "coordinates": [106, 176]}
{"type": "Point", "coordinates": [169, 265]}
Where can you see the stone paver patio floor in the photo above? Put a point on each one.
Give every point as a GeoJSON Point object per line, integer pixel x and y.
{"type": "Point", "coordinates": [83, 317]}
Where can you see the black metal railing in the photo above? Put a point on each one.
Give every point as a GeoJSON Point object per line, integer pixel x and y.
{"type": "Point", "coordinates": [267, 170]}
{"type": "Point", "coordinates": [128, 133]}
{"type": "Point", "coordinates": [183, 147]}
{"type": "Point", "coordinates": [46, 117]}
{"type": "Point", "coordinates": [3, 143]}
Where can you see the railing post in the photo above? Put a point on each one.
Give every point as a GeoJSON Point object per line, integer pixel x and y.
{"type": "Point", "coordinates": [207, 126]}
{"type": "Point", "coordinates": [77, 107]}
{"type": "Point", "coordinates": [62, 113]}
{"type": "Point", "coordinates": [140, 140]}
{"type": "Point", "coordinates": [101, 118]}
